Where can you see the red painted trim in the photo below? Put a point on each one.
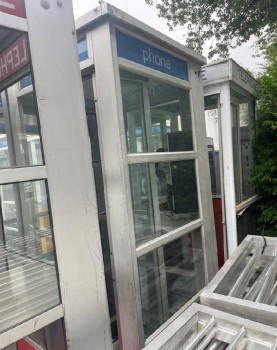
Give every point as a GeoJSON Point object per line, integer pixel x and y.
{"type": "Point", "coordinates": [12, 7]}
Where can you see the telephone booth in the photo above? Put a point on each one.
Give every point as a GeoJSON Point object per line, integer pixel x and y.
{"type": "Point", "coordinates": [124, 159]}
{"type": "Point", "coordinates": [144, 103]}
{"type": "Point", "coordinates": [49, 233]}
{"type": "Point", "coordinates": [229, 92]}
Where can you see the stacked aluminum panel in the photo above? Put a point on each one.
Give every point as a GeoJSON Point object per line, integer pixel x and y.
{"type": "Point", "coordinates": [200, 327]}
{"type": "Point", "coordinates": [247, 284]}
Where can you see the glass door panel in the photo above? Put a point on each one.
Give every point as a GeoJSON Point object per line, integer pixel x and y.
{"type": "Point", "coordinates": [28, 276]}
{"type": "Point", "coordinates": [242, 128]}
{"type": "Point", "coordinates": [164, 197]}
{"type": "Point", "coordinates": [169, 277]}
{"type": "Point", "coordinates": [156, 115]}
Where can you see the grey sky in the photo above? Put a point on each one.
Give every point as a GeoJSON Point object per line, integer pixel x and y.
{"type": "Point", "coordinates": [149, 15]}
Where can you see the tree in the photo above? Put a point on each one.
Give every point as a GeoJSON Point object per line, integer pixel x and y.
{"type": "Point", "coordinates": [265, 146]}
{"type": "Point", "coordinates": [230, 23]}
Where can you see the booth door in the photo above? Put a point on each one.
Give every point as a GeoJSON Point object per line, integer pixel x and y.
{"type": "Point", "coordinates": [164, 195]}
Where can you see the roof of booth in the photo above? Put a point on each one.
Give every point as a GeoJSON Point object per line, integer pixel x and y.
{"type": "Point", "coordinates": [227, 69]}
{"type": "Point", "coordinates": [106, 11]}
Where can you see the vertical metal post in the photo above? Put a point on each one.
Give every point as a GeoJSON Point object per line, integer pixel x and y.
{"type": "Point", "coordinates": [67, 152]}
{"type": "Point", "coordinates": [228, 167]}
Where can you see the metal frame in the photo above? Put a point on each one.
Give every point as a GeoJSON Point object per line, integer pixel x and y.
{"type": "Point", "coordinates": [233, 330]}
{"type": "Point", "coordinates": [227, 287]}
{"type": "Point", "coordinates": [66, 151]}
{"type": "Point", "coordinates": [101, 25]}
{"type": "Point", "coordinates": [219, 81]}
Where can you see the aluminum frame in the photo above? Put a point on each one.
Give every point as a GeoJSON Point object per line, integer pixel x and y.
{"type": "Point", "coordinates": [101, 25]}
{"type": "Point", "coordinates": [212, 323]}
{"type": "Point", "coordinates": [219, 295]}
{"type": "Point", "coordinates": [83, 295]}
{"type": "Point", "coordinates": [219, 78]}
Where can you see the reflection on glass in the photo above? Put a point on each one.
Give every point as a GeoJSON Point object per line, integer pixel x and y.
{"type": "Point", "coordinates": [246, 150]}
{"type": "Point", "coordinates": [212, 131]}
{"type": "Point", "coordinates": [28, 281]}
{"type": "Point", "coordinates": [164, 197]}
{"type": "Point", "coordinates": [170, 277]}
{"type": "Point", "coordinates": [26, 81]}
{"type": "Point", "coordinates": [242, 112]}
{"type": "Point", "coordinates": [82, 50]}
{"type": "Point", "coordinates": [156, 115]}
{"type": "Point", "coordinates": [20, 143]}
{"type": "Point", "coordinates": [50, 337]}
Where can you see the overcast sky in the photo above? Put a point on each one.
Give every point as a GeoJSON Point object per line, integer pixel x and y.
{"type": "Point", "coordinates": [148, 14]}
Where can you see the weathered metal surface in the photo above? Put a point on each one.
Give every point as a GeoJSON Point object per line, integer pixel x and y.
{"type": "Point", "coordinates": [200, 327]}
{"type": "Point", "coordinates": [247, 284]}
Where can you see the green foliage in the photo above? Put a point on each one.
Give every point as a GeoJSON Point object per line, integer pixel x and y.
{"type": "Point", "coordinates": [265, 146]}
{"type": "Point", "coordinates": [230, 23]}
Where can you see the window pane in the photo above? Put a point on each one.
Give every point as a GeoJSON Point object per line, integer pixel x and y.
{"type": "Point", "coordinates": [20, 142]}
{"type": "Point", "coordinates": [242, 116]}
{"type": "Point", "coordinates": [82, 50]}
{"type": "Point", "coordinates": [28, 280]}
{"type": "Point", "coordinates": [164, 197]}
{"type": "Point", "coordinates": [50, 337]}
{"type": "Point", "coordinates": [156, 115]}
{"type": "Point", "coordinates": [170, 277]}
{"type": "Point", "coordinates": [212, 131]}
{"type": "Point", "coordinates": [26, 81]}
{"type": "Point", "coordinates": [236, 153]}
{"type": "Point", "coordinates": [246, 149]}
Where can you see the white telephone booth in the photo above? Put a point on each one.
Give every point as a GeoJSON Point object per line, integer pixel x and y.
{"type": "Point", "coordinates": [51, 270]}
{"type": "Point", "coordinates": [229, 92]}
{"type": "Point", "coordinates": [141, 148]}
{"type": "Point", "coordinates": [144, 102]}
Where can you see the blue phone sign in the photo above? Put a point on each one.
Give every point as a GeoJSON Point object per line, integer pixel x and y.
{"type": "Point", "coordinates": [147, 55]}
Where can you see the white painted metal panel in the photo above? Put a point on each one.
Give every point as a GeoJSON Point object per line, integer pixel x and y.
{"type": "Point", "coordinates": [30, 326]}
{"type": "Point", "coordinates": [70, 176]}
{"type": "Point", "coordinates": [215, 72]}
{"type": "Point", "coordinates": [105, 10]}
{"type": "Point", "coordinates": [228, 69]}
{"type": "Point", "coordinates": [228, 167]}
{"type": "Point", "coordinates": [242, 78]}
{"type": "Point", "coordinates": [116, 179]}
{"type": "Point", "coordinates": [13, 22]}
{"type": "Point", "coordinates": [203, 174]}
{"type": "Point", "coordinates": [22, 174]}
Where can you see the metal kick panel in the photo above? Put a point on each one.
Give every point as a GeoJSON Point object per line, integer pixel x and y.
{"type": "Point", "coordinates": [203, 328]}
{"type": "Point", "coordinates": [247, 283]}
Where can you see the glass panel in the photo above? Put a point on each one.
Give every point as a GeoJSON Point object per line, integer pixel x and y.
{"type": "Point", "coordinates": [246, 132]}
{"type": "Point", "coordinates": [156, 115]}
{"type": "Point", "coordinates": [212, 130]}
{"type": "Point", "coordinates": [82, 50]}
{"type": "Point", "coordinates": [28, 280]}
{"type": "Point", "coordinates": [164, 197]}
{"type": "Point", "coordinates": [170, 277]}
{"type": "Point", "coordinates": [26, 81]}
{"type": "Point", "coordinates": [50, 337]}
{"type": "Point", "coordinates": [101, 205]}
{"type": "Point", "coordinates": [236, 153]}
{"type": "Point", "coordinates": [242, 116]}
{"type": "Point", "coordinates": [20, 142]}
